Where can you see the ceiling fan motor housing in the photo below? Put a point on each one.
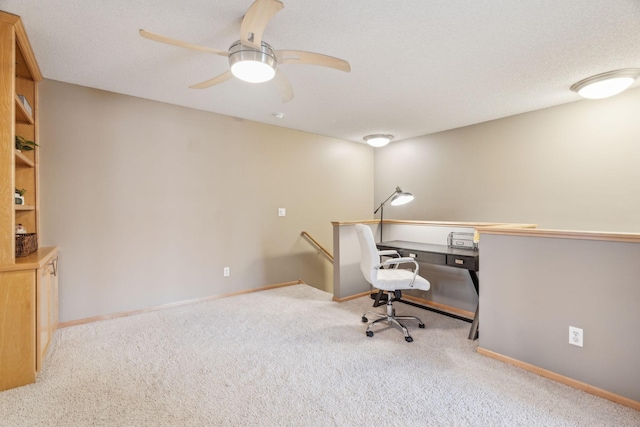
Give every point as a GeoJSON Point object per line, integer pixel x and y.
{"type": "Point", "coordinates": [251, 64]}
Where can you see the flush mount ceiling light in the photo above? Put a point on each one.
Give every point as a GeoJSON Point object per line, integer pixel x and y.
{"type": "Point", "coordinates": [252, 65]}
{"type": "Point", "coordinates": [606, 84]}
{"type": "Point", "coordinates": [378, 140]}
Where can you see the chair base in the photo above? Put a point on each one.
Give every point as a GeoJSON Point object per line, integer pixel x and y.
{"type": "Point", "coordinates": [391, 318]}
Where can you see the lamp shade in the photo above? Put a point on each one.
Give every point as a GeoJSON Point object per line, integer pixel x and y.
{"type": "Point", "coordinates": [606, 84]}
{"type": "Point", "coordinates": [397, 198]}
{"type": "Point", "coordinates": [401, 198]}
{"type": "Point", "coordinates": [252, 65]}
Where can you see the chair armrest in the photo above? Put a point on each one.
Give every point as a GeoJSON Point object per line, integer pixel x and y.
{"type": "Point", "coordinates": [389, 252]}
{"type": "Point", "coordinates": [402, 260]}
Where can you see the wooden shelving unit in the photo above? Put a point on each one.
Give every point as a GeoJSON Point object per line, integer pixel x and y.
{"type": "Point", "coordinates": [28, 285]}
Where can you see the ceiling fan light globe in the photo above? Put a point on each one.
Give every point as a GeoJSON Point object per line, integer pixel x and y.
{"type": "Point", "coordinates": [252, 65]}
{"type": "Point", "coordinates": [253, 71]}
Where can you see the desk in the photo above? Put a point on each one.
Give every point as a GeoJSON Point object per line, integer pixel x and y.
{"type": "Point", "coordinates": [441, 255]}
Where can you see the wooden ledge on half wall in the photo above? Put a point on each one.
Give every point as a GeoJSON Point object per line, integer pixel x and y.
{"type": "Point", "coordinates": [562, 234]}
{"type": "Point", "coordinates": [474, 224]}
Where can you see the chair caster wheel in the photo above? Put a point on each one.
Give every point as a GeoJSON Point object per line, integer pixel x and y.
{"type": "Point", "coordinates": [421, 325]}
{"type": "Point", "coordinates": [408, 339]}
{"type": "Point", "coordinates": [369, 333]}
{"type": "Point", "coordinates": [364, 319]}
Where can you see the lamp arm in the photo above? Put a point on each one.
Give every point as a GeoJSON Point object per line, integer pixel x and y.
{"type": "Point", "coordinates": [382, 204]}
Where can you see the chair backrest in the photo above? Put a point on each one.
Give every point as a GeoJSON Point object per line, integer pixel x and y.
{"type": "Point", "coordinates": [369, 253]}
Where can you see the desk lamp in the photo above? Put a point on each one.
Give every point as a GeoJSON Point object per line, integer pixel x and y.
{"type": "Point", "coordinates": [398, 197]}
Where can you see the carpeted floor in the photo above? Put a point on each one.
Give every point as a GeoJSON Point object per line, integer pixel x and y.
{"type": "Point", "coordinates": [287, 357]}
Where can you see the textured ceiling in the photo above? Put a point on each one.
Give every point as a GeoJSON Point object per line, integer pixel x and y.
{"type": "Point", "coordinates": [418, 66]}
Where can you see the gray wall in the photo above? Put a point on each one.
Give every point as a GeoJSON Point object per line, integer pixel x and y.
{"type": "Point", "coordinates": [574, 166]}
{"type": "Point", "coordinates": [534, 288]}
{"type": "Point", "coordinates": [149, 201]}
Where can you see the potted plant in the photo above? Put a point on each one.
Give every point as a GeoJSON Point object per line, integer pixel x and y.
{"type": "Point", "coordinates": [20, 196]}
{"type": "Point", "coordinates": [23, 144]}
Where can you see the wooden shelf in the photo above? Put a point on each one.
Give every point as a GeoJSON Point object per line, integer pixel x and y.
{"type": "Point", "coordinates": [22, 115]}
{"type": "Point", "coordinates": [24, 161]}
{"type": "Point", "coordinates": [35, 260]}
{"type": "Point", "coordinates": [25, 208]}
{"type": "Point", "coordinates": [28, 285]}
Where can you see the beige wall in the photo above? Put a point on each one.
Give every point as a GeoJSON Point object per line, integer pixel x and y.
{"type": "Point", "coordinates": [574, 166]}
{"type": "Point", "coordinates": [148, 201]}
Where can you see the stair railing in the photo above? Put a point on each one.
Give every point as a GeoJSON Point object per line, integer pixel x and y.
{"type": "Point", "coordinates": [317, 245]}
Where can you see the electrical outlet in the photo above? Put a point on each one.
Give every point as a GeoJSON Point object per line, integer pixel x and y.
{"type": "Point", "coordinates": [226, 272]}
{"type": "Point", "coordinates": [576, 336]}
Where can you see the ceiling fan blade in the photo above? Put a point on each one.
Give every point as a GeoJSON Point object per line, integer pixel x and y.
{"type": "Point", "coordinates": [255, 21]}
{"type": "Point", "coordinates": [162, 39]}
{"type": "Point", "coordinates": [214, 81]}
{"type": "Point", "coordinates": [285, 87]}
{"type": "Point", "coordinates": [310, 58]}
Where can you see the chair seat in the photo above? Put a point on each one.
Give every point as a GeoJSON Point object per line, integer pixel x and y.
{"type": "Point", "coordinates": [393, 279]}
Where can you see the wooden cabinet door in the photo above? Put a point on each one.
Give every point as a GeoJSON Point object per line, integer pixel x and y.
{"type": "Point", "coordinates": [17, 328]}
{"type": "Point", "coordinates": [47, 315]}
{"type": "Point", "coordinates": [53, 306]}
{"type": "Point", "coordinates": [42, 316]}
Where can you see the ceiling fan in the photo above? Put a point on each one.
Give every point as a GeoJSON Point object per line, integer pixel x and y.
{"type": "Point", "coordinates": [253, 60]}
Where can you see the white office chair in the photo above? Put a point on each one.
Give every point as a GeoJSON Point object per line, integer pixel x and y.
{"type": "Point", "coordinates": [389, 280]}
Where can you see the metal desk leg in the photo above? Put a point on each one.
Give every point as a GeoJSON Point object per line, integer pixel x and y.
{"type": "Point", "coordinates": [473, 333]}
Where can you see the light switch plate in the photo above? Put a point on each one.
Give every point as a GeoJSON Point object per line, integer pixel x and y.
{"type": "Point", "coordinates": [282, 212]}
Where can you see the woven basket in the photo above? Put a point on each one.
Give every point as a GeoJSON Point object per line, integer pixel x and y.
{"type": "Point", "coordinates": [26, 244]}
